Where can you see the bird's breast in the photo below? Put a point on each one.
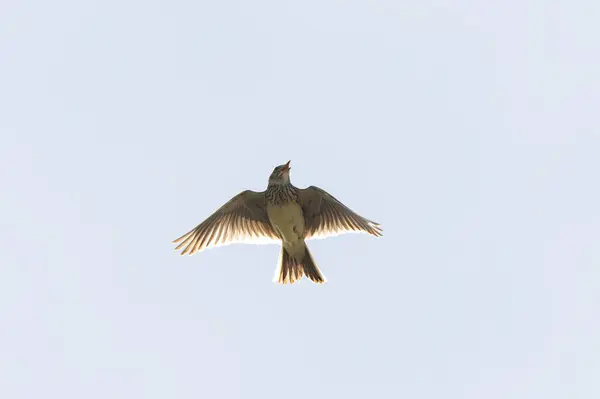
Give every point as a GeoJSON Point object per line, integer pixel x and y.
{"type": "Point", "coordinates": [288, 220]}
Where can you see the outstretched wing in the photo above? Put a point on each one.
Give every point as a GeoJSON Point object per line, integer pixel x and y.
{"type": "Point", "coordinates": [242, 219]}
{"type": "Point", "coordinates": [325, 216]}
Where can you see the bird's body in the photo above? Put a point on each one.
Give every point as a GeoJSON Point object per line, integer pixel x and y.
{"type": "Point", "coordinates": [288, 221]}
{"type": "Point", "coordinates": [283, 213]}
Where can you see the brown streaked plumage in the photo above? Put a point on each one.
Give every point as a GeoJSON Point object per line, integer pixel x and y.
{"type": "Point", "coordinates": [281, 214]}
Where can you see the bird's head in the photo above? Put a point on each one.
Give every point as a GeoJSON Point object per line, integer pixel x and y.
{"type": "Point", "coordinates": [281, 174]}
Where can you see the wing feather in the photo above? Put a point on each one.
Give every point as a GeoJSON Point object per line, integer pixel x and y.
{"type": "Point", "coordinates": [325, 216]}
{"type": "Point", "coordinates": [242, 219]}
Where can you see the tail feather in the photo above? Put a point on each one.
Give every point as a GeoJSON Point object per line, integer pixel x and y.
{"type": "Point", "coordinates": [311, 270]}
{"type": "Point", "coordinates": [290, 270]}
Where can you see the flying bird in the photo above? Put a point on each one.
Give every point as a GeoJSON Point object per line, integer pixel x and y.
{"type": "Point", "coordinates": [282, 214]}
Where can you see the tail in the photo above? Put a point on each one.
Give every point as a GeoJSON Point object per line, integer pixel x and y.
{"type": "Point", "coordinates": [289, 270]}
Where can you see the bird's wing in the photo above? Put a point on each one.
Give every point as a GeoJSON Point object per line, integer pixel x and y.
{"type": "Point", "coordinates": [326, 216]}
{"type": "Point", "coordinates": [243, 219]}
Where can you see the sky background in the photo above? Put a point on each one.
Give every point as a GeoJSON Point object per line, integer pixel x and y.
{"type": "Point", "coordinates": [469, 129]}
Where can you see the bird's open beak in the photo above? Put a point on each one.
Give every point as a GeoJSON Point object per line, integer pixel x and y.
{"type": "Point", "coordinates": [286, 167]}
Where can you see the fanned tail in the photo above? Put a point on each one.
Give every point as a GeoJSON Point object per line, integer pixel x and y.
{"type": "Point", "coordinates": [289, 270]}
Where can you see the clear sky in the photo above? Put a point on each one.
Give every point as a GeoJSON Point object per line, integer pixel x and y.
{"type": "Point", "coordinates": [470, 130]}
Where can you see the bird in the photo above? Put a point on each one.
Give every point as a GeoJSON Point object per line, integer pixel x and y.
{"type": "Point", "coordinates": [282, 214]}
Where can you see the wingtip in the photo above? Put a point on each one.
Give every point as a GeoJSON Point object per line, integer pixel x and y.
{"type": "Point", "coordinates": [376, 230]}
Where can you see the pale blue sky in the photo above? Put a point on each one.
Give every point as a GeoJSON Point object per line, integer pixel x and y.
{"type": "Point", "coordinates": [470, 130]}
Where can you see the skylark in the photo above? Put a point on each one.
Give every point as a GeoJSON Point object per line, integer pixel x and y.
{"type": "Point", "coordinates": [283, 214]}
